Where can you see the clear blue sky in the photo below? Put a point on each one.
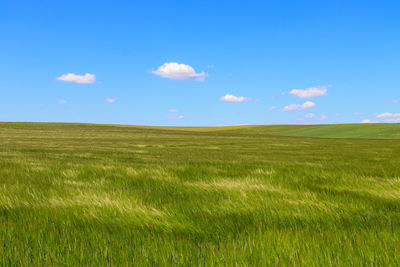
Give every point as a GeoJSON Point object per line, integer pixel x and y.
{"type": "Point", "coordinates": [241, 60]}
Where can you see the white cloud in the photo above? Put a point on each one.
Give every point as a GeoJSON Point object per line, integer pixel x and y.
{"type": "Point", "coordinates": [180, 72]}
{"type": "Point", "coordinates": [393, 120]}
{"type": "Point", "coordinates": [110, 100]}
{"type": "Point", "coordinates": [232, 98]}
{"type": "Point", "coordinates": [305, 105]}
{"type": "Point", "coordinates": [62, 101]}
{"type": "Point", "coordinates": [292, 107]}
{"type": "Point", "coordinates": [272, 108]}
{"type": "Point", "coordinates": [180, 117]}
{"type": "Point", "coordinates": [388, 115]}
{"type": "Point", "coordinates": [173, 110]}
{"type": "Point", "coordinates": [323, 117]}
{"type": "Point", "coordinates": [309, 115]}
{"type": "Point", "coordinates": [310, 92]}
{"type": "Point", "coordinates": [75, 78]}
{"type": "Point", "coordinates": [365, 121]}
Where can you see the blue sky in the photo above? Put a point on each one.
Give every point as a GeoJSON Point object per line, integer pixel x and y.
{"type": "Point", "coordinates": [200, 62]}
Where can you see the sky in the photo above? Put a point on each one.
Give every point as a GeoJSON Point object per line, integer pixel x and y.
{"type": "Point", "coordinates": [200, 63]}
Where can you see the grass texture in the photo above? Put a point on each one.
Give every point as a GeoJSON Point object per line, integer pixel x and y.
{"type": "Point", "coordinates": [371, 131]}
{"type": "Point", "coordinates": [81, 194]}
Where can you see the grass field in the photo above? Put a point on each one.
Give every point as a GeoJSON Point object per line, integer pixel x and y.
{"type": "Point", "coordinates": [81, 194]}
{"type": "Point", "coordinates": [370, 131]}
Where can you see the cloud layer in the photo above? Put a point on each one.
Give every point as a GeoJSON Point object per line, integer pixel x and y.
{"type": "Point", "coordinates": [388, 115]}
{"type": "Point", "coordinates": [179, 72]}
{"type": "Point", "coordinates": [393, 120]}
{"type": "Point", "coordinates": [232, 98]}
{"type": "Point", "coordinates": [75, 78]}
{"type": "Point", "coordinates": [305, 105]}
{"type": "Point", "coordinates": [310, 92]}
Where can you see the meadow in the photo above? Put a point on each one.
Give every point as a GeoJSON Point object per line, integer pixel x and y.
{"type": "Point", "coordinates": [85, 194]}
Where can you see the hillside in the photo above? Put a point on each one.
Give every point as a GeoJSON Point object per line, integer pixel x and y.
{"type": "Point", "coordinates": [369, 131]}
{"type": "Point", "coordinates": [84, 194]}
{"type": "Point", "coordinates": [365, 131]}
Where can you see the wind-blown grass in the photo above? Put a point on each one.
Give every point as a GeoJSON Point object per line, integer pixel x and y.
{"type": "Point", "coordinates": [78, 194]}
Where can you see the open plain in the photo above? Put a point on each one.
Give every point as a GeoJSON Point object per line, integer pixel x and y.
{"type": "Point", "coordinates": [85, 194]}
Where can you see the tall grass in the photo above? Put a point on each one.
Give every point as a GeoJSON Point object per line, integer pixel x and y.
{"type": "Point", "coordinates": [75, 194]}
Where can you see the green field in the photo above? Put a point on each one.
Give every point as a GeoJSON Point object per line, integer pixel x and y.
{"type": "Point", "coordinates": [81, 194]}
{"type": "Point", "coordinates": [369, 131]}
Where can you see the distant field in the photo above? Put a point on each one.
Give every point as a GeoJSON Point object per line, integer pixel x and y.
{"type": "Point", "coordinates": [82, 194]}
{"type": "Point", "coordinates": [371, 131]}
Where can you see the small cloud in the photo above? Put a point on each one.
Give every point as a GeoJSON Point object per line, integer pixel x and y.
{"type": "Point", "coordinates": [395, 101]}
{"type": "Point", "coordinates": [211, 66]}
{"type": "Point", "coordinates": [323, 117]}
{"type": "Point", "coordinates": [308, 104]}
{"type": "Point", "coordinates": [272, 108]}
{"type": "Point", "coordinates": [393, 120]}
{"type": "Point", "coordinates": [388, 115]}
{"type": "Point", "coordinates": [365, 121]}
{"type": "Point", "coordinates": [358, 113]}
{"type": "Point", "coordinates": [180, 117]}
{"type": "Point", "coordinates": [179, 72]}
{"type": "Point", "coordinates": [305, 105]}
{"type": "Point", "coordinates": [62, 101]}
{"type": "Point", "coordinates": [110, 100]}
{"type": "Point", "coordinates": [309, 115]}
{"type": "Point", "coordinates": [257, 100]}
{"type": "Point", "coordinates": [292, 107]}
{"type": "Point", "coordinates": [310, 92]}
{"type": "Point", "coordinates": [232, 98]}
{"type": "Point", "coordinates": [75, 78]}
{"type": "Point", "coordinates": [173, 110]}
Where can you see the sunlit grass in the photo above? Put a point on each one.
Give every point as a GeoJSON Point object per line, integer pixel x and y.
{"type": "Point", "coordinates": [78, 194]}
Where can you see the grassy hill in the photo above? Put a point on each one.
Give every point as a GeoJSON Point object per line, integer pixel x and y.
{"type": "Point", "coordinates": [367, 131]}
{"type": "Point", "coordinates": [81, 194]}
{"type": "Point", "coordinates": [371, 131]}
